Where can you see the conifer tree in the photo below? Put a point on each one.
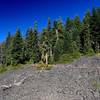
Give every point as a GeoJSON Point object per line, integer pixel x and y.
{"type": "Point", "coordinates": [98, 23]}
{"type": "Point", "coordinates": [32, 45]}
{"type": "Point", "coordinates": [94, 30]}
{"type": "Point", "coordinates": [50, 40]}
{"type": "Point", "coordinates": [54, 41]}
{"type": "Point", "coordinates": [76, 31]}
{"type": "Point", "coordinates": [59, 43]}
{"type": "Point", "coordinates": [16, 49]}
{"type": "Point", "coordinates": [68, 35]}
{"type": "Point", "coordinates": [2, 53]}
{"type": "Point", "coordinates": [37, 55]}
{"type": "Point", "coordinates": [86, 33]}
{"type": "Point", "coordinates": [8, 49]}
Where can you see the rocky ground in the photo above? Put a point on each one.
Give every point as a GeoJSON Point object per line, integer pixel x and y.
{"type": "Point", "coordinates": [77, 81]}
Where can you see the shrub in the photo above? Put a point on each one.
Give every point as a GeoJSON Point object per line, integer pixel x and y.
{"type": "Point", "coordinates": [43, 66]}
{"type": "Point", "coordinates": [68, 57]}
{"type": "Point", "coordinates": [16, 67]}
{"type": "Point", "coordinates": [90, 52]}
{"type": "Point", "coordinates": [2, 68]}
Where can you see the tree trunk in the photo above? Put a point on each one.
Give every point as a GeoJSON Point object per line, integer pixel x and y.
{"type": "Point", "coordinates": [57, 35]}
{"type": "Point", "coordinates": [46, 56]}
{"type": "Point", "coordinates": [51, 54]}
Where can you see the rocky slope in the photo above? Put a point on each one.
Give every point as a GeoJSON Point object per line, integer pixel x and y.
{"type": "Point", "coordinates": [77, 81]}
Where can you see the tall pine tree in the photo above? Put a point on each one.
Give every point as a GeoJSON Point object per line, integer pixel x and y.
{"type": "Point", "coordinates": [86, 34]}
{"type": "Point", "coordinates": [8, 49]}
{"type": "Point", "coordinates": [94, 30]}
{"type": "Point", "coordinates": [17, 49]}
{"type": "Point", "coordinates": [32, 45]}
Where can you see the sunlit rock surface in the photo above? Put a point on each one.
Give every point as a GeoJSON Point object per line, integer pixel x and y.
{"type": "Point", "coordinates": [77, 81]}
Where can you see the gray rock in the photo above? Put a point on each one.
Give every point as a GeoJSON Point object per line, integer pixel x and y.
{"type": "Point", "coordinates": [77, 81]}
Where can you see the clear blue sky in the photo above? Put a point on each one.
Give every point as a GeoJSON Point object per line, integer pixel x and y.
{"type": "Point", "coordinates": [22, 13]}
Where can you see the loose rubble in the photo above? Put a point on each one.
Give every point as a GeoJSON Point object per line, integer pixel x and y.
{"type": "Point", "coordinates": [77, 81]}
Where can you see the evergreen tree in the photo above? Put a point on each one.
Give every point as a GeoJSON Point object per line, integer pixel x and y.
{"type": "Point", "coordinates": [50, 40]}
{"type": "Point", "coordinates": [37, 55]}
{"type": "Point", "coordinates": [85, 38]}
{"type": "Point", "coordinates": [76, 31]}
{"type": "Point", "coordinates": [68, 25]}
{"type": "Point", "coordinates": [94, 30]}
{"type": "Point", "coordinates": [2, 53]}
{"type": "Point", "coordinates": [24, 51]}
{"type": "Point", "coordinates": [98, 23]}
{"type": "Point", "coordinates": [49, 24]}
{"type": "Point", "coordinates": [73, 37]}
{"type": "Point", "coordinates": [59, 43]}
{"type": "Point", "coordinates": [16, 49]}
{"type": "Point", "coordinates": [68, 36]}
{"type": "Point", "coordinates": [8, 49]}
{"type": "Point", "coordinates": [32, 44]}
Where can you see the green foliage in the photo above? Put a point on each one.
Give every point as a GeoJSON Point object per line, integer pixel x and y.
{"type": "Point", "coordinates": [58, 49]}
{"type": "Point", "coordinates": [95, 30]}
{"type": "Point", "coordinates": [18, 66]}
{"type": "Point", "coordinates": [58, 42]}
{"type": "Point", "coordinates": [2, 53]}
{"type": "Point", "coordinates": [43, 66]}
{"type": "Point", "coordinates": [8, 49]}
{"type": "Point", "coordinates": [76, 31]}
{"type": "Point", "coordinates": [68, 57]}
{"type": "Point", "coordinates": [68, 25]}
{"type": "Point", "coordinates": [2, 68]}
{"type": "Point", "coordinates": [67, 42]}
{"type": "Point", "coordinates": [16, 49]}
{"type": "Point", "coordinates": [86, 34]}
{"type": "Point", "coordinates": [32, 46]}
{"type": "Point", "coordinates": [90, 52]}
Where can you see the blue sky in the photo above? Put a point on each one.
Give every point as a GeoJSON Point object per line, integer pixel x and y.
{"type": "Point", "coordinates": [22, 13]}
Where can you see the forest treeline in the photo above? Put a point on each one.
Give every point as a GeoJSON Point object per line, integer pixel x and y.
{"type": "Point", "coordinates": [58, 38]}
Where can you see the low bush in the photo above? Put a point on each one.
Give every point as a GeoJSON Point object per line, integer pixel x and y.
{"type": "Point", "coordinates": [2, 68]}
{"type": "Point", "coordinates": [16, 67]}
{"type": "Point", "coordinates": [43, 66]}
{"type": "Point", "coordinates": [90, 52]}
{"type": "Point", "coordinates": [68, 57]}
